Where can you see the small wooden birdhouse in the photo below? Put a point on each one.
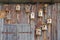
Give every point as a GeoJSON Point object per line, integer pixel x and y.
{"type": "Point", "coordinates": [32, 15]}
{"type": "Point", "coordinates": [18, 7]}
{"type": "Point", "coordinates": [40, 13]}
{"type": "Point", "coordinates": [44, 27]}
{"type": "Point", "coordinates": [38, 31]}
{"type": "Point", "coordinates": [8, 15]}
{"type": "Point", "coordinates": [49, 20]}
{"type": "Point", "coordinates": [6, 7]}
{"type": "Point", "coordinates": [27, 8]}
{"type": "Point", "coordinates": [46, 5]}
{"type": "Point", "coordinates": [2, 14]}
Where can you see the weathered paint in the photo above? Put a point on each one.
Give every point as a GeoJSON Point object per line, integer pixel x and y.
{"type": "Point", "coordinates": [21, 30]}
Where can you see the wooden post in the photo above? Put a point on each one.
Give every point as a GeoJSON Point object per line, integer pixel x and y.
{"type": "Point", "coordinates": [38, 37]}
{"type": "Point", "coordinates": [45, 17]}
{"type": "Point", "coordinates": [44, 31]}
{"type": "Point", "coordinates": [44, 35]}
{"type": "Point", "coordinates": [49, 31]}
{"type": "Point", "coordinates": [38, 26]}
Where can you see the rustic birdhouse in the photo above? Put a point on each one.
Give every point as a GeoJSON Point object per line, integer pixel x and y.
{"type": "Point", "coordinates": [38, 31]}
{"type": "Point", "coordinates": [46, 5]}
{"type": "Point", "coordinates": [27, 8]}
{"type": "Point", "coordinates": [8, 15]}
{"type": "Point", "coordinates": [6, 7]}
{"type": "Point", "coordinates": [2, 14]}
{"type": "Point", "coordinates": [44, 27]}
{"type": "Point", "coordinates": [17, 7]}
{"type": "Point", "coordinates": [32, 15]}
{"type": "Point", "coordinates": [49, 20]}
{"type": "Point", "coordinates": [40, 13]}
{"type": "Point", "coordinates": [8, 21]}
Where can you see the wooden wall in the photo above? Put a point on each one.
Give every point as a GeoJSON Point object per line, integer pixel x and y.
{"type": "Point", "coordinates": [22, 23]}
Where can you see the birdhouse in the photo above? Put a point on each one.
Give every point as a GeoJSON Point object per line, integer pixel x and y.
{"type": "Point", "coordinates": [44, 27]}
{"type": "Point", "coordinates": [49, 20]}
{"type": "Point", "coordinates": [17, 7]}
{"type": "Point", "coordinates": [27, 8]}
{"type": "Point", "coordinates": [46, 5]}
{"type": "Point", "coordinates": [32, 15]}
{"type": "Point", "coordinates": [40, 13]}
{"type": "Point", "coordinates": [6, 7]}
{"type": "Point", "coordinates": [8, 21]}
{"type": "Point", "coordinates": [38, 31]}
{"type": "Point", "coordinates": [2, 14]}
{"type": "Point", "coordinates": [8, 15]}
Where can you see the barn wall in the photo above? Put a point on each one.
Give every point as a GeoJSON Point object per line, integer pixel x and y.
{"type": "Point", "coordinates": [58, 22]}
{"type": "Point", "coordinates": [22, 24]}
